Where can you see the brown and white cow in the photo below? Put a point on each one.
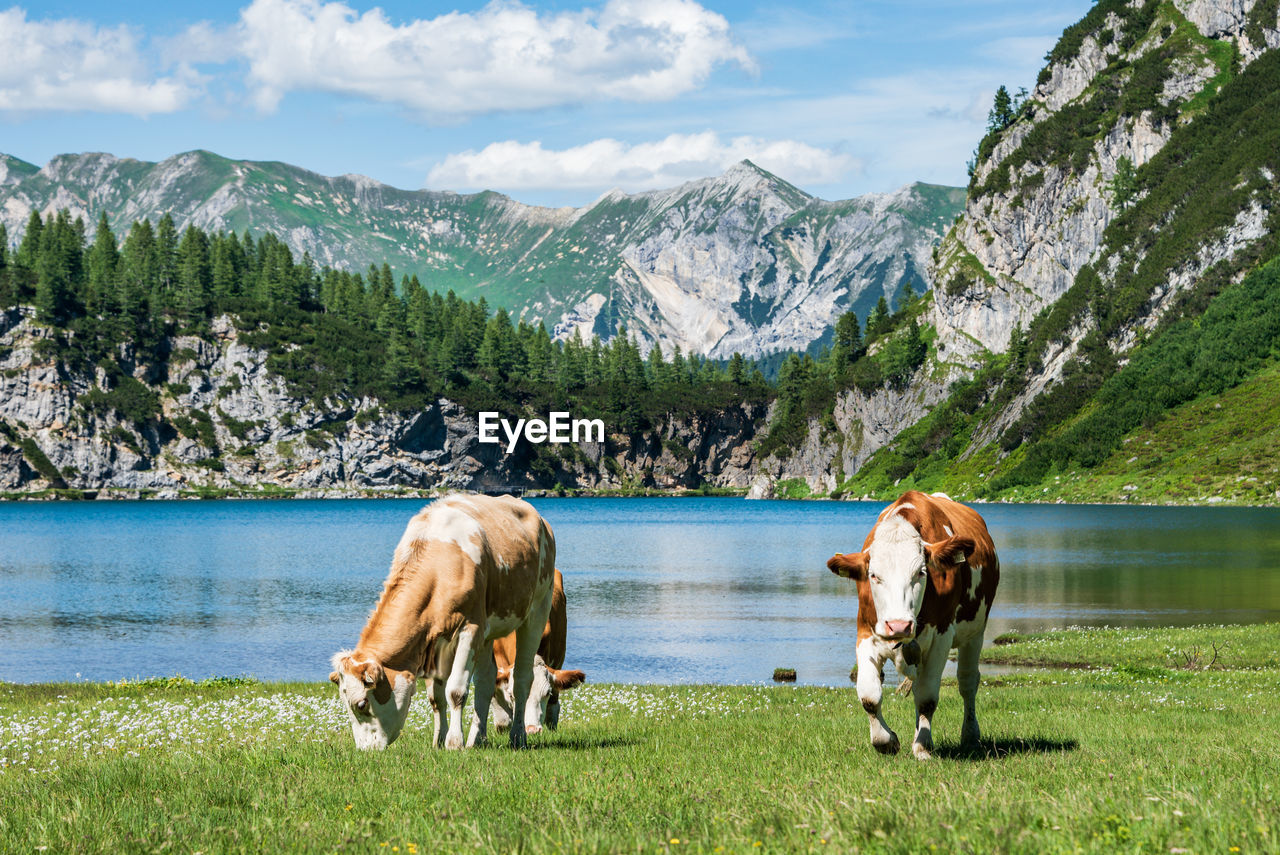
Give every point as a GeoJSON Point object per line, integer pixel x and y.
{"type": "Point", "coordinates": [549, 681]}
{"type": "Point", "coordinates": [469, 569]}
{"type": "Point", "coordinates": [927, 572]}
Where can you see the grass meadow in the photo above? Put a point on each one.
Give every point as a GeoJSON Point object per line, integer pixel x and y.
{"type": "Point", "coordinates": [1144, 742]}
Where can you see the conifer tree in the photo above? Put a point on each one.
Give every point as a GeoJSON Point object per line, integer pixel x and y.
{"type": "Point", "coordinates": [166, 263]}
{"type": "Point", "coordinates": [104, 266]}
{"type": "Point", "coordinates": [29, 248]}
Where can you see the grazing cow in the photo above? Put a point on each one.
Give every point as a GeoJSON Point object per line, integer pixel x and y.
{"type": "Point", "coordinates": [927, 573]}
{"type": "Point", "coordinates": [548, 680]}
{"type": "Point", "coordinates": [469, 569]}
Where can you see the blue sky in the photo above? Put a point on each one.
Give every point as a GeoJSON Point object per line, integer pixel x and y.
{"type": "Point", "coordinates": [550, 102]}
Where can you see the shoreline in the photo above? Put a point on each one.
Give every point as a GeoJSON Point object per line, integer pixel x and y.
{"type": "Point", "coordinates": [111, 494]}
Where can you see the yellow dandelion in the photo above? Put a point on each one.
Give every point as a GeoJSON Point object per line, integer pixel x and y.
{"type": "Point", "coordinates": [349, 807]}
{"type": "Point", "coordinates": [675, 840]}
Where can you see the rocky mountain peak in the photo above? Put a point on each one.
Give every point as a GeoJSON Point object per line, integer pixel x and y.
{"type": "Point", "coordinates": [742, 261]}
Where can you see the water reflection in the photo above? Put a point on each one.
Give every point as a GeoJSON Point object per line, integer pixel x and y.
{"type": "Point", "coordinates": [660, 590]}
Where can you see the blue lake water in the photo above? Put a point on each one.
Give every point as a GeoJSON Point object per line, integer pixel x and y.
{"type": "Point", "coordinates": [660, 590]}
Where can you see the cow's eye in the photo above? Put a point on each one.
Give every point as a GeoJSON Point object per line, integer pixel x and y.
{"type": "Point", "coordinates": [875, 578]}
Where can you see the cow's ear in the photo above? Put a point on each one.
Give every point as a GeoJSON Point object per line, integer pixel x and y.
{"type": "Point", "coordinates": [944, 559]}
{"type": "Point", "coordinates": [335, 677]}
{"type": "Point", "coordinates": [566, 680]}
{"type": "Point", "coordinates": [947, 553]}
{"type": "Point", "coordinates": [368, 673]}
{"type": "Point", "coordinates": [851, 566]}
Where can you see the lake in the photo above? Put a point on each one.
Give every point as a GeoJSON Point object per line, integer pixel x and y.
{"type": "Point", "coordinates": [717, 590]}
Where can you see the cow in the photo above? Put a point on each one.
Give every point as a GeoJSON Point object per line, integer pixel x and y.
{"type": "Point", "coordinates": [548, 680]}
{"type": "Point", "coordinates": [927, 574]}
{"type": "Point", "coordinates": [469, 569]}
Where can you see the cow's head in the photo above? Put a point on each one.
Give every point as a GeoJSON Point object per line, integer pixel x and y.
{"type": "Point", "coordinates": [376, 698]}
{"type": "Point", "coordinates": [545, 678]}
{"type": "Point", "coordinates": [897, 568]}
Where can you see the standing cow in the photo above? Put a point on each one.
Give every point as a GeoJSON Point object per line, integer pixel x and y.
{"type": "Point", "coordinates": [549, 681]}
{"type": "Point", "coordinates": [927, 573]}
{"type": "Point", "coordinates": [469, 570]}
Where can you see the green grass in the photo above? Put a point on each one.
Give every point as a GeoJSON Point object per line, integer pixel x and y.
{"type": "Point", "coordinates": [1219, 447]}
{"type": "Point", "coordinates": [1136, 757]}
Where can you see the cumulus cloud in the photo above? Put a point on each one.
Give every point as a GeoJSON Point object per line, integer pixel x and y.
{"type": "Point", "coordinates": [607, 163]}
{"type": "Point", "coordinates": [506, 56]}
{"type": "Point", "coordinates": [66, 64]}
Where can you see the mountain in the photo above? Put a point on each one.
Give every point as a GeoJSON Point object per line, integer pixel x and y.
{"type": "Point", "coordinates": [740, 262]}
{"type": "Point", "coordinates": [1113, 276]}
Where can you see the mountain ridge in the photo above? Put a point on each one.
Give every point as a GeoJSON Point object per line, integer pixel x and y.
{"type": "Point", "coordinates": [709, 265]}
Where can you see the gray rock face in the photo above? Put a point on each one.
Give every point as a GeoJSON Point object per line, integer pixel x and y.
{"type": "Point", "coordinates": [1032, 240]}
{"type": "Point", "coordinates": [230, 425]}
{"type": "Point", "coordinates": [864, 423]}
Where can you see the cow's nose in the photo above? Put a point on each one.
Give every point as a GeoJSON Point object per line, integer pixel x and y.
{"type": "Point", "coordinates": [533, 728]}
{"type": "Point", "coordinates": [898, 627]}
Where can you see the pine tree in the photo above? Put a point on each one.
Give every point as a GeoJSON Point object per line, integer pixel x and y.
{"type": "Point", "coordinates": [878, 319]}
{"type": "Point", "coordinates": [58, 264]}
{"type": "Point", "coordinates": [104, 268]}
{"type": "Point", "coordinates": [1123, 185]}
{"type": "Point", "coordinates": [166, 263]}
{"type": "Point", "coordinates": [194, 284]}
{"type": "Point", "coordinates": [1002, 112]}
{"type": "Point", "coordinates": [847, 346]}
{"type": "Point", "coordinates": [29, 249]}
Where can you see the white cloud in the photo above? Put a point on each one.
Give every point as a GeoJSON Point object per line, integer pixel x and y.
{"type": "Point", "coordinates": [66, 64]}
{"type": "Point", "coordinates": [505, 56]}
{"type": "Point", "coordinates": [607, 163]}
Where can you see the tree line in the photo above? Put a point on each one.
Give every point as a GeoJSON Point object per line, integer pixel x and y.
{"type": "Point", "coordinates": [116, 304]}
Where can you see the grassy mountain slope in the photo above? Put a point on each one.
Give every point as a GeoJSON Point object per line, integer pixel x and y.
{"type": "Point", "coordinates": [1172, 314]}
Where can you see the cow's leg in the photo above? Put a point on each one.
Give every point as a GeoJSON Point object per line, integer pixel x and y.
{"type": "Point", "coordinates": [501, 708]}
{"type": "Point", "coordinates": [486, 677]}
{"type": "Point", "coordinates": [925, 691]}
{"type": "Point", "coordinates": [870, 690]}
{"type": "Point", "coordinates": [439, 710]}
{"type": "Point", "coordinates": [459, 678]}
{"type": "Point", "coordinates": [528, 637]}
{"type": "Point", "coordinates": [553, 709]}
{"type": "Point", "coordinates": [967, 676]}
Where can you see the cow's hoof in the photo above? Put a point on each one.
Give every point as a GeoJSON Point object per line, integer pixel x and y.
{"type": "Point", "coordinates": [453, 741]}
{"type": "Point", "coordinates": [501, 728]}
{"type": "Point", "coordinates": [920, 752]}
{"type": "Point", "coordinates": [518, 740]}
{"type": "Point", "coordinates": [887, 746]}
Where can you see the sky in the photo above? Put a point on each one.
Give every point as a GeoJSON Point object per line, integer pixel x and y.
{"type": "Point", "coordinates": [552, 103]}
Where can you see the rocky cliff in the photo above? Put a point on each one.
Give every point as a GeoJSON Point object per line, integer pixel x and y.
{"type": "Point", "coordinates": [740, 262]}
{"type": "Point", "coordinates": [1137, 182]}
{"type": "Point", "coordinates": [1042, 198]}
{"type": "Point", "coordinates": [212, 420]}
